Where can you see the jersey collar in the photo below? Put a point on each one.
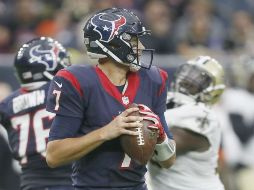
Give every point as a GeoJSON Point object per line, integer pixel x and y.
{"type": "Point", "coordinates": [128, 95]}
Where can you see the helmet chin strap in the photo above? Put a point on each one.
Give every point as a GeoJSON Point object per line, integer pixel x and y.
{"type": "Point", "coordinates": [48, 75]}
{"type": "Point", "coordinates": [106, 50]}
{"type": "Point", "coordinates": [133, 67]}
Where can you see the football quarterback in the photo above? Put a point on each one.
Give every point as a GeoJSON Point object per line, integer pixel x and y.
{"type": "Point", "coordinates": [92, 105]}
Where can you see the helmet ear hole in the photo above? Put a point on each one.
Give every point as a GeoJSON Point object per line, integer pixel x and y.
{"type": "Point", "coordinates": [130, 58]}
{"type": "Point", "coordinates": [126, 37]}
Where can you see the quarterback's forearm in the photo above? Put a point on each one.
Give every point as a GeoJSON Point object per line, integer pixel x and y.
{"type": "Point", "coordinates": [63, 151]}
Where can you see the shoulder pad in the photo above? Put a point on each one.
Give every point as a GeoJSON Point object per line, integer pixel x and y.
{"type": "Point", "coordinates": [194, 117]}
{"type": "Point", "coordinates": [157, 75]}
{"type": "Point", "coordinates": [83, 73]}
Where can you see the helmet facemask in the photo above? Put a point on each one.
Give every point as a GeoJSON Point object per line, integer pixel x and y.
{"type": "Point", "coordinates": [138, 57]}
{"type": "Point", "coordinates": [203, 81]}
{"type": "Point", "coordinates": [191, 80]}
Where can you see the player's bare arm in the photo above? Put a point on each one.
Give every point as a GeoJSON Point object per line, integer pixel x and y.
{"type": "Point", "coordinates": [63, 151]}
{"type": "Point", "coordinates": [195, 142]}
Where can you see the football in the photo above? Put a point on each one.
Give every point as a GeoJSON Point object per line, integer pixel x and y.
{"type": "Point", "coordinates": [141, 147]}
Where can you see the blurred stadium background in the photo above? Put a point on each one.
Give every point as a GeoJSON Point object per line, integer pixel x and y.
{"type": "Point", "coordinates": [181, 29]}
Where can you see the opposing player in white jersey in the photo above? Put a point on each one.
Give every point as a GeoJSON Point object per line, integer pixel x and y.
{"type": "Point", "coordinates": [236, 111]}
{"type": "Point", "coordinates": [197, 85]}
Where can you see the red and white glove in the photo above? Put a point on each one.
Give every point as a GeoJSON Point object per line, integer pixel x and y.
{"type": "Point", "coordinates": [149, 115]}
{"type": "Point", "coordinates": [164, 148]}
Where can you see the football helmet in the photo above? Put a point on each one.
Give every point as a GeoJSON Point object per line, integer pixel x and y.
{"type": "Point", "coordinates": [39, 60]}
{"type": "Point", "coordinates": [109, 33]}
{"type": "Point", "coordinates": [201, 78]}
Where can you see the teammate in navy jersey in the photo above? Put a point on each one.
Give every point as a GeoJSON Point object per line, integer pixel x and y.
{"type": "Point", "coordinates": [24, 114]}
{"type": "Point", "coordinates": [91, 106]}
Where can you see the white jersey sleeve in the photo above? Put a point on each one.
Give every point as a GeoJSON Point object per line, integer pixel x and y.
{"type": "Point", "coordinates": [194, 117]}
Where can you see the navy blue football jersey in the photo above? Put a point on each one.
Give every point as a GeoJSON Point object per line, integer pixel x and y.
{"type": "Point", "coordinates": [27, 122]}
{"type": "Point", "coordinates": [84, 93]}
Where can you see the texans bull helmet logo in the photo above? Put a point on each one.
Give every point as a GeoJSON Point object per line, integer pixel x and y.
{"type": "Point", "coordinates": [46, 57]}
{"type": "Point", "coordinates": [109, 27]}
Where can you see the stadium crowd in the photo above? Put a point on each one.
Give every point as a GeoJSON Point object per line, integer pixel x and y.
{"type": "Point", "coordinates": [178, 26]}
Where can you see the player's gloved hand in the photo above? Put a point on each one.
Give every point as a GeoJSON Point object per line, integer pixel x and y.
{"type": "Point", "coordinates": [165, 148]}
{"type": "Point", "coordinates": [149, 115]}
